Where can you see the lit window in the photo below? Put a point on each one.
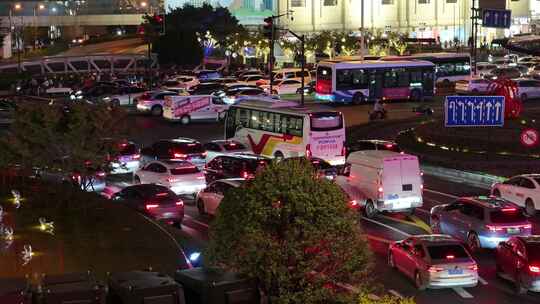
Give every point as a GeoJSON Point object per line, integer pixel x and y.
{"type": "Point", "coordinates": [423, 1]}
{"type": "Point", "coordinates": [298, 3]}
{"type": "Point", "coordinates": [330, 3]}
{"type": "Point", "coordinates": [451, 1]}
{"type": "Point", "coordinates": [387, 2]}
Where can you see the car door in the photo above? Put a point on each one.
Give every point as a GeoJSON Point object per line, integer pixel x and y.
{"type": "Point", "coordinates": [505, 256]}
{"type": "Point", "coordinates": [161, 174]}
{"type": "Point", "coordinates": [463, 219]}
{"type": "Point", "coordinates": [147, 173]}
{"type": "Point", "coordinates": [400, 254]}
{"type": "Point", "coordinates": [525, 190]}
{"type": "Point", "coordinates": [446, 218]}
{"type": "Point", "coordinates": [508, 188]}
{"type": "Point", "coordinates": [289, 86]}
{"type": "Point", "coordinates": [213, 169]}
{"type": "Point", "coordinates": [408, 261]}
{"type": "Point", "coordinates": [214, 197]}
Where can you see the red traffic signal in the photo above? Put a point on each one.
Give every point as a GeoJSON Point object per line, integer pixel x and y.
{"type": "Point", "coordinates": [158, 18]}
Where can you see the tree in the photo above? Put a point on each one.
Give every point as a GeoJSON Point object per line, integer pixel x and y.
{"type": "Point", "coordinates": [293, 232]}
{"type": "Point", "coordinates": [398, 43]}
{"type": "Point", "coordinates": [66, 138]}
{"type": "Point", "coordinates": [367, 299]}
{"type": "Point", "coordinates": [193, 31]}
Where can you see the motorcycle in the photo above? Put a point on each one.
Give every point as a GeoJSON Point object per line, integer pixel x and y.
{"type": "Point", "coordinates": [377, 115]}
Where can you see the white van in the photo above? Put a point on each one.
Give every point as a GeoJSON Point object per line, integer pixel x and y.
{"type": "Point", "coordinates": [292, 73]}
{"type": "Point", "coordinates": [195, 107]}
{"type": "Point", "coordinates": [383, 181]}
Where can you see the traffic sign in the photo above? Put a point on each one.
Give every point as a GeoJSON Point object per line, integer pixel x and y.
{"type": "Point", "coordinates": [496, 18]}
{"type": "Point", "coordinates": [474, 111]}
{"type": "Point", "coordinates": [529, 138]}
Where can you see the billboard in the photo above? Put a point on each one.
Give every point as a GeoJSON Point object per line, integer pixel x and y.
{"type": "Point", "coordinates": [248, 12]}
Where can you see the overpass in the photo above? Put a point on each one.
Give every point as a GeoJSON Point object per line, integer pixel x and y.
{"type": "Point", "coordinates": [77, 20]}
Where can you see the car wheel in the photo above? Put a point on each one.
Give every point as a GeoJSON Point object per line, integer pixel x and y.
{"type": "Point", "coordinates": [157, 111]}
{"type": "Point", "coordinates": [369, 209]}
{"type": "Point", "coordinates": [116, 102]}
{"type": "Point", "coordinates": [358, 99]}
{"type": "Point", "coordinates": [524, 97]}
{"type": "Point", "coordinates": [278, 156]}
{"type": "Point", "coordinates": [497, 193]}
{"type": "Point", "coordinates": [185, 120]}
{"type": "Point", "coordinates": [435, 225]}
{"type": "Point", "coordinates": [473, 242]}
{"type": "Point", "coordinates": [518, 284]}
{"type": "Point", "coordinates": [529, 207]}
{"type": "Point", "coordinates": [136, 180]}
{"type": "Point", "coordinates": [391, 262]}
{"type": "Point", "coordinates": [418, 282]}
{"type": "Point", "coordinates": [200, 207]}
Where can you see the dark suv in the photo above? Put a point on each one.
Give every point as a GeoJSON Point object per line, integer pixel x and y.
{"type": "Point", "coordinates": [175, 149]}
{"type": "Point", "coordinates": [233, 166]}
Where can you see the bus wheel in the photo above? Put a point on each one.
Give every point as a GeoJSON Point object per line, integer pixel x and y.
{"type": "Point", "coordinates": [416, 95]}
{"type": "Point", "coordinates": [369, 209]}
{"type": "Point", "coordinates": [157, 111]}
{"type": "Point", "coordinates": [185, 120]}
{"type": "Point", "coordinates": [278, 156]}
{"type": "Point", "coordinates": [357, 99]}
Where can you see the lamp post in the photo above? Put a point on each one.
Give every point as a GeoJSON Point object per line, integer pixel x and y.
{"type": "Point", "coordinates": [36, 9]}
{"type": "Point", "coordinates": [18, 33]}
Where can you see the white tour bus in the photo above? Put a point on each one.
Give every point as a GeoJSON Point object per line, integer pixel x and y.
{"type": "Point", "coordinates": [284, 129]}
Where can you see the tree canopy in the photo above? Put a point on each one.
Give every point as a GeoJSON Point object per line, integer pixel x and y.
{"type": "Point", "coordinates": [293, 232]}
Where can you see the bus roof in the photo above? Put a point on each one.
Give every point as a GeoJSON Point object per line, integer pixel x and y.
{"type": "Point", "coordinates": [282, 106]}
{"type": "Point", "coordinates": [376, 63]}
{"type": "Point", "coordinates": [445, 55]}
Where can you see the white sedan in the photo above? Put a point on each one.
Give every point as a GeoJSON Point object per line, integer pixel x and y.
{"type": "Point", "coordinates": [182, 177]}
{"type": "Point", "coordinates": [287, 86]}
{"type": "Point", "coordinates": [223, 147]}
{"type": "Point", "coordinates": [473, 85]}
{"type": "Point", "coordinates": [208, 200]}
{"type": "Point", "coordinates": [523, 190]}
{"type": "Point", "coordinates": [528, 88]}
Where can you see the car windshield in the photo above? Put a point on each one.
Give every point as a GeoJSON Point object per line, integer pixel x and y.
{"type": "Point", "coordinates": [234, 146]}
{"type": "Point", "coordinates": [509, 216]}
{"type": "Point", "coordinates": [184, 170]}
{"type": "Point", "coordinates": [443, 252]}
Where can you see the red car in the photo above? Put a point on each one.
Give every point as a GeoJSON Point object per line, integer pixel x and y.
{"type": "Point", "coordinates": [518, 260]}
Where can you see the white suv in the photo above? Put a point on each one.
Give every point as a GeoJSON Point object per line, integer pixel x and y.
{"type": "Point", "coordinates": [182, 177]}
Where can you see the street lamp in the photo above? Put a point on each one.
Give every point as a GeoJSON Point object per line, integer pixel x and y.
{"type": "Point", "coordinates": [144, 4]}
{"type": "Point", "coordinates": [36, 9]}
{"type": "Point", "coordinates": [17, 7]}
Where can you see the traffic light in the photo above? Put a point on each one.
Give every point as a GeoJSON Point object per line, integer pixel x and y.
{"type": "Point", "coordinates": [268, 27]}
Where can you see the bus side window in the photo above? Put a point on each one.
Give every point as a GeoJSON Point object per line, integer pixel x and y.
{"type": "Point", "coordinates": [243, 118]}
{"type": "Point", "coordinates": [277, 122]}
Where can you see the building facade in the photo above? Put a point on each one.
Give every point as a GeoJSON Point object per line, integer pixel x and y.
{"type": "Point", "coordinates": [443, 19]}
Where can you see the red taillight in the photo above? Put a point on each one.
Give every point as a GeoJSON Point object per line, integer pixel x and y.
{"type": "Point", "coordinates": [421, 186]}
{"type": "Point", "coordinates": [493, 228]}
{"type": "Point", "coordinates": [343, 150]}
{"type": "Point", "coordinates": [180, 203]}
{"type": "Point", "coordinates": [136, 156]}
{"type": "Point", "coordinates": [388, 146]}
{"type": "Point", "coordinates": [179, 155]}
{"type": "Point", "coordinates": [434, 269]}
{"type": "Point", "coordinates": [151, 206]}
{"type": "Point", "coordinates": [449, 257]}
{"type": "Point", "coordinates": [527, 226]}
{"type": "Point", "coordinates": [508, 209]}
{"type": "Point", "coordinates": [353, 203]}
{"type": "Point", "coordinates": [162, 194]}
{"type": "Point", "coordinates": [534, 269]}
{"type": "Point", "coordinates": [100, 174]}
{"type": "Point", "coordinates": [473, 267]}
{"type": "Point", "coordinates": [308, 151]}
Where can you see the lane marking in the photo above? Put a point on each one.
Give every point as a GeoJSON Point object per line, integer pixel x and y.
{"type": "Point", "coordinates": [462, 293]}
{"type": "Point", "coordinates": [441, 193]}
{"type": "Point", "coordinates": [420, 223]}
{"type": "Point", "coordinates": [395, 293]}
{"type": "Point", "coordinates": [196, 221]}
{"type": "Point", "coordinates": [415, 223]}
{"type": "Point", "coordinates": [387, 226]}
{"type": "Point", "coordinates": [482, 281]}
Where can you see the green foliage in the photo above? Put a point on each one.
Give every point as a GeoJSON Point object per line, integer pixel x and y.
{"type": "Point", "coordinates": [293, 232]}
{"type": "Point", "coordinates": [54, 136]}
{"type": "Point", "coordinates": [387, 299]}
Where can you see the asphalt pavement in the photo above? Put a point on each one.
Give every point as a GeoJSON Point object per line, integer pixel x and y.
{"type": "Point", "coordinates": [380, 230]}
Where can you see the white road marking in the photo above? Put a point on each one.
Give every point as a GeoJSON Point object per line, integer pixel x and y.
{"type": "Point", "coordinates": [387, 226]}
{"type": "Point", "coordinates": [463, 293]}
{"type": "Point", "coordinates": [482, 281]}
{"type": "Point", "coordinates": [395, 293]}
{"type": "Point", "coordinates": [441, 193]}
{"type": "Point", "coordinates": [196, 221]}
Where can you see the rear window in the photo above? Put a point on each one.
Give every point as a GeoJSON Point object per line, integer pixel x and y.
{"type": "Point", "coordinates": [324, 73]}
{"type": "Point", "coordinates": [442, 252]}
{"type": "Point", "coordinates": [507, 217]}
{"type": "Point", "coordinates": [234, 146]}
{"type": "Point", "coordinates": [533, 250]}
{"type": "Point", "coordinates": [184, 170]}
{"type": "Point", "coordinates": [390, 147]}
{"type": "Point", "coordinates": [128, 149]}
{"type": "Point", "coordinates": [192, 148]}
{"type": "Point", "coordinates": [326, 121]}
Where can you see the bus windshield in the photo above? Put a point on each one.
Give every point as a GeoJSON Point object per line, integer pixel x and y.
{"type": "Point", "coordinates": [326, 121]}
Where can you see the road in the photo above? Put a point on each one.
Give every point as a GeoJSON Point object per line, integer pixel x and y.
{"type": "Point", "coordinates": [125, 46]}
{"type": "Point", "coordinates": [380, 230]}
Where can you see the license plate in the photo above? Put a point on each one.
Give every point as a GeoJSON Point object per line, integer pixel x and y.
{"type": "Point", "coordinates": [455, 271]}
{"type": "Point", "coordinates": [512, 230]}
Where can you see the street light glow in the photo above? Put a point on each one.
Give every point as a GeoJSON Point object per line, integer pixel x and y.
{"type": "Point", "coordinates": [143, 4]}
{"type": "Point", "coordinates": [41, 6]}
{"type": "Point", "coordinates": [18, 6]}
{"type": "Point", "coordinates": [54, 9]}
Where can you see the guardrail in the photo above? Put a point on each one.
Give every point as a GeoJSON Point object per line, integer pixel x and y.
{"type": "Point", "coordinates": [105, 63]}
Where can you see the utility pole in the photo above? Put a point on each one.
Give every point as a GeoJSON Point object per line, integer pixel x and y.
{"type": "Point", "coordinates": [362, 39]}
{"type": "Point", "coordinates": [302, 39]}
{"type": "Point", "coordinates": [475, 15]}
{"type": "Point", "coordinates": [269, 30]}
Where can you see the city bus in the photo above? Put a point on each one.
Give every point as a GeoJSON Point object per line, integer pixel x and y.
{"type": "Point", "coordinates": [449, 67]}
{"type": "Point", "coordinates": [360, 81]}
{"type": "Point", "coordinates": [282, 129]}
